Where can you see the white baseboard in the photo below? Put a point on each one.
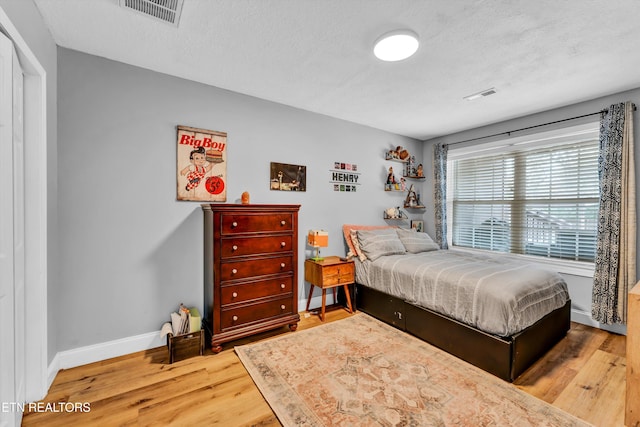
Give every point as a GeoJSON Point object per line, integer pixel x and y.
{"type": "Point", "coordinates": [316, 302]}
{"type": "Point", "coordinates": [584, 317]}
{"type": "Point", "coordinates": [97, 352]}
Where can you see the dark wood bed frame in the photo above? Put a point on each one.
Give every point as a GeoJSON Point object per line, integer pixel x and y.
{"type": "Point", "coordinates": [506, 358]}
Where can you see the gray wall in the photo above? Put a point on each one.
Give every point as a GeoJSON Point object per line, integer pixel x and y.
{"type": "Point", "coordinates": [579, 287]}
{"type": "Point", "coordinates": [26, 18]}
{"type": "Point", "coordinates": [129, 252]}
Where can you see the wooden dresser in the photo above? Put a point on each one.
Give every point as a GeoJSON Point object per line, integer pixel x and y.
{"type": "Point", "coordinates": [250, 269]}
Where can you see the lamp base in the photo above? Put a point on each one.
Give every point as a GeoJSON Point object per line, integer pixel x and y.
{"type": "Point", "coordinates": [317, 257]}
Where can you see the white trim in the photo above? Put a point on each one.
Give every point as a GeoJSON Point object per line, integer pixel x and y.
{"type": "Point", "coordinates": [36, 235]}
{"type": "Point", "coordinates": [35, 139]}
{"type": "Point", "coordinates": [97, 352]}
{"type": "Point", "coordinates": [586, 131]}
{"type": "Point", "coordinates": [52, 370]}
{"type": "Point", "coordinates": [575, 268]}
{"type": "Point", "coordinates": [120, 347]}
{"type": "Point", "coordinates": [583, 132]}
{"type": "Point", "coordinates": [584, 317]}
{"type": "Point", "coordinates": [316, 301]}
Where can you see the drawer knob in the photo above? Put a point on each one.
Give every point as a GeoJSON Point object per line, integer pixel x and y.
{"type": "Point", "coordinates": [234, 224]}
{"type": "Point", "coordinates": [283, 222]}
{"type": "Point", "coordinates": [282, 307]}
{"type": "Point", "coordinates": [282, 286]}
{"type": "Point", "coordinates": [283, 244]}
{"type": "Point", "coordinates": [235, 294]}
{"type": "Point", "coordinates": [234, 271]}
{"type": "Point", "coordinates": [235, 318]}
{"type": "Point", "coordinates": [282, 265]}
{"type": "Point", "coordinates": [234, 247]}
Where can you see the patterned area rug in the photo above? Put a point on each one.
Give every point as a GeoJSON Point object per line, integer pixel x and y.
{"type": "Point", "coordinates": [360, 371]}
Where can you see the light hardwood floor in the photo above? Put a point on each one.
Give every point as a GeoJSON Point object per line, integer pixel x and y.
{"type": "Point", "coordinates": [584, 375]}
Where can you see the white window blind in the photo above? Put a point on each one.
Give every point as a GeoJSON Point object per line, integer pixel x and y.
{"type": "Point", "coordinates": [537, 196]}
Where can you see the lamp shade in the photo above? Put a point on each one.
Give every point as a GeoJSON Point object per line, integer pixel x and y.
{"type": "Point", "coordinates": [318, 238]}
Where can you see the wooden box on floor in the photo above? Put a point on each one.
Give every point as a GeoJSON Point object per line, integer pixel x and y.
{"type": "Point", "coordinates": [185, 346]}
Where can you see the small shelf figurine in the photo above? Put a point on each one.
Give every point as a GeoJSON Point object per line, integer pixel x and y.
{"type": "Point", "coordinates": [399, 153]}
{"type": "Point", "coordinates": [245, 198]}
{"type": "Point", "coordinates": [394, 213]}
{"type": "Point", "coordinates": [420, 172]}
{"type": "Point", "coordinates": [412, 200]}
{"type": "Point", "coordinates": [391, 183]}
{"type": "Point", "coordinates": [391, 179]}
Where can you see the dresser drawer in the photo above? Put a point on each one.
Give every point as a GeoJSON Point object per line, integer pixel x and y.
{"type": "Point", "coordinates": [242, 315]}
{"type": "Point", "coordinates": [255, 267]}
{"type": "Point", "coordinates": [232, 294]}
{"type": "Point", "coordinates": [240, 246]}
{"type": "Point", "coordinates": [255, 223]}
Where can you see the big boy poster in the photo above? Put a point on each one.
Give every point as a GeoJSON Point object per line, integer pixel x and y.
{"type": "Point", "coordinates": [202, 165]}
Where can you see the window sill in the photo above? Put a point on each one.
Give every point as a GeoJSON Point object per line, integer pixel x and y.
{"type": "Point", "coordinates": [575, 268]}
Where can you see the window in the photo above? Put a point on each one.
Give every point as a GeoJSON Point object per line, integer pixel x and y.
{"type": "Point", "coordinates": [535, 195]}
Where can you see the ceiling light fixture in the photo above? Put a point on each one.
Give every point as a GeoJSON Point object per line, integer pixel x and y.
{"type": "Point", "coordinates": [396, 45]}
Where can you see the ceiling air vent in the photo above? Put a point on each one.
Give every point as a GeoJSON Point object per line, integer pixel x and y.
{"type": "Point", "coordinates": [165, 10]}
{"type": "Point", "coordinates": [486, 92]}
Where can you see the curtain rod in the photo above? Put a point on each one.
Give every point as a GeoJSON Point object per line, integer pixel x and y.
{"type": "Point", "coordinates": [508, 133]}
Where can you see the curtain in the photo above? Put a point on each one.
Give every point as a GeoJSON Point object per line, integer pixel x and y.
{"type": "Point", "coordinates": [615, 264]}
{"type": "Point", "coordinates": [440, 192]}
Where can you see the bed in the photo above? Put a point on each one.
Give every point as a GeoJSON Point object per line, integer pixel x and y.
{"type": "Point", "coordinates": [496, 313]}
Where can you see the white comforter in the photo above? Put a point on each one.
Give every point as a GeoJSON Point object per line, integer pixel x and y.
{"type": "Point", "coordinates": [494, 294]}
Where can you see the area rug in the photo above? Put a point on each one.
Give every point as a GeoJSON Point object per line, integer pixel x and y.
{"type": "Point", "coordinates": [361, 372]}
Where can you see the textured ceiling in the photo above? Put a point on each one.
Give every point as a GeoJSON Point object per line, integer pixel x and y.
{"type": "Point", "coordinates": [317, 54]}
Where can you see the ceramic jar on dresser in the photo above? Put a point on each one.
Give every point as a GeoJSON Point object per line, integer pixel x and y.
{"type": "Point", "coordinates": [251, 269]}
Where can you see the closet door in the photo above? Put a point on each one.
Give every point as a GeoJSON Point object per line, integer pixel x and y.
{"type": "Point", "coordinates": [12, 249]}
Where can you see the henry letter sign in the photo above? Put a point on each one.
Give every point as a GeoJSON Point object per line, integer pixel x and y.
{"type": "Point", "coordinates": [202, 165]}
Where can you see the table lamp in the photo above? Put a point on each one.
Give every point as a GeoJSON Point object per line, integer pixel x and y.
{"type": "Point", "coordinates": [318, 239]}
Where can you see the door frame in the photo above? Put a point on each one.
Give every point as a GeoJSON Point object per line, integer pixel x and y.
{"type": "Point", "coordinates": [36, 188]}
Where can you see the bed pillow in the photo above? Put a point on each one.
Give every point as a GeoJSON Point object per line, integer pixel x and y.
{"type": "Point", "coordinates": [351, 238]}
{"type": "Point", "coordinates": [415, 242]}
{"type": "Point", "coordinates": [356, 245]}
{"type": "Point", "coordinates": [377, 243]}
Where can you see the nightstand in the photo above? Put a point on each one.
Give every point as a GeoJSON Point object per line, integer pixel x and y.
{"type": "Point", "coordinates": [327, 273]}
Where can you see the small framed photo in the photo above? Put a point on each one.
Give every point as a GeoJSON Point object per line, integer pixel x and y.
{"type": "Point", "coordinates": [286, 177]}
{"type": "Point", "coordinates": [417, 225]}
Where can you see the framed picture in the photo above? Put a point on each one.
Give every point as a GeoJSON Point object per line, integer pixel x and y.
{"type": "Point", "coordinates": [417, 225]}
{"type": "Point", "coordinates": [286, 177]}
{"type": "Point", "coordinates": [201, 165]}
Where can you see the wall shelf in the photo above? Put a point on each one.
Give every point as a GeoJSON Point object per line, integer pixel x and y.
{"type": "Point", "coordinates": [408, 172]}
{"type": "Point", "coordinates": [402, 216]}
{"type": "Point", "coordinates": [391, 187]}
{"type": "Point", "coordinates": [394, 159]}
